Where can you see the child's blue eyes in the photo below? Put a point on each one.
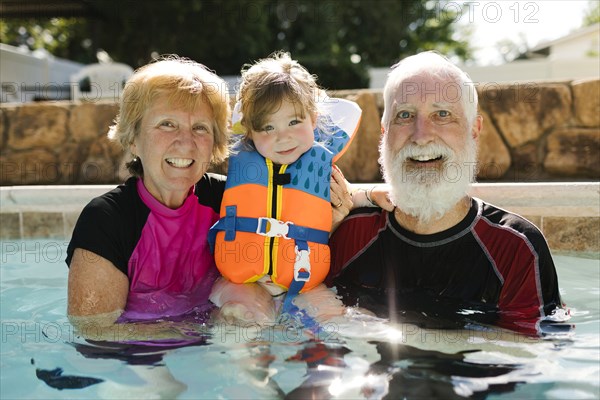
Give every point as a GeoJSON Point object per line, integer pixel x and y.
{"type": "Point", "coordinates": [270, 128]}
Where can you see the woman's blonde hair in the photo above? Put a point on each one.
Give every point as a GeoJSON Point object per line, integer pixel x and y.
{"type": "Point", "coordinates": [186, 84]}
{"type": "Point", "coordinates": [269, 82]}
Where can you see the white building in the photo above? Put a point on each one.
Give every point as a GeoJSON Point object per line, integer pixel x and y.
{"type": "Point", "coordinates": [34, 75]}
{"type": "Point", "coordinates": [573, 56]}
{"type": "Point", "coordinates": [583, 43]}
{"type": "Point", "coordinates": [37, 75]}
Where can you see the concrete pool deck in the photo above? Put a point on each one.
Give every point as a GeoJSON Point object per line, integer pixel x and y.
{"type": "Point", "coordinates": [568, 213]}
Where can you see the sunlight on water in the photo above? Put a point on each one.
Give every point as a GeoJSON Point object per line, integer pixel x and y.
{"type": "Point", "coordinates": [354, 356]}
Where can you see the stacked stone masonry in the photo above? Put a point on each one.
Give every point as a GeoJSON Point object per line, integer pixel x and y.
{"type": "Point", "coordinates": [541, 131]}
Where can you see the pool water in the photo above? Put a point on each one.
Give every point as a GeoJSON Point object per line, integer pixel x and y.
{"type": "Point", "coordinates": [359, 357]}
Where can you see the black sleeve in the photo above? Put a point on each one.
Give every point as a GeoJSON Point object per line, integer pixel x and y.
{"type": "Point", "coordinates": [209, 190]}
{"type": "Point", "coordinates": [110, 226]}
{"type": "Point", "coordinates": [547, 270]}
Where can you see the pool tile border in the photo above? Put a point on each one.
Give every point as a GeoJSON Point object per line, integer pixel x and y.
{"type": "Point", "coordinates": [567, 213]}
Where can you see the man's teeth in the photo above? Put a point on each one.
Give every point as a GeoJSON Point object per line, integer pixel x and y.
{"type": "Point", "coordinates": [423, 158]}
{"type": "Point", "coordinates": [180, 162]}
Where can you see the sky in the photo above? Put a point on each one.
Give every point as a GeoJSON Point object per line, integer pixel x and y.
{"type": "Point", "coordinates": [539, 21]}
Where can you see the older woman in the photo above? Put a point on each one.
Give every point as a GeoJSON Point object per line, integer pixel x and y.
{"type": "Point", "coordinates": [141, 248]}
{"type": "Point", "coordinates": [140, 251]}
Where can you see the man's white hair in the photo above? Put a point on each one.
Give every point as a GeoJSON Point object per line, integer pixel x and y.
{"type": "Point", "coordinates": [433, 64]}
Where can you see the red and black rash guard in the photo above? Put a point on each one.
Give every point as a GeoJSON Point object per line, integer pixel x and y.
{"type": "Point", "coordinates": [492, 260]}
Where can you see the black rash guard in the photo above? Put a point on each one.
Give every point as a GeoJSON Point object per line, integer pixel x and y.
{"type": "Point", "coordinates": [494, 266]}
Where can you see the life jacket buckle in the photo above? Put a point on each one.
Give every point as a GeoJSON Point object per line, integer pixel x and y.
{"type": "Point", "coordinates": [273, 227]}
{"type": "Point", "coordinates": [302, 265]}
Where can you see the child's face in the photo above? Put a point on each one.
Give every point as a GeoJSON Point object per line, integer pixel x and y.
{"type": "Point", "coordinates": [285, 135]}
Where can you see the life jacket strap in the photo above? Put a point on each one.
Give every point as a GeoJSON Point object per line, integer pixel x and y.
{"type": "Point", "coordinates": [272, 227]}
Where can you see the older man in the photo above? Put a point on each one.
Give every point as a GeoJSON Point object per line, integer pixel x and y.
{"type": "Point", "coordinates": [441, 252]}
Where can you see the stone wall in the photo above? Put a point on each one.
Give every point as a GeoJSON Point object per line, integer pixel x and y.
{"type": "Point", "coordinates": [542, 131]}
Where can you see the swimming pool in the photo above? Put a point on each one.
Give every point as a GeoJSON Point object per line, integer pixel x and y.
{"type": "Point", "coordinates": [41, 358]}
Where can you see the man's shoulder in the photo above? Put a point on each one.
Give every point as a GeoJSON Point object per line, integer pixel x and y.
{"type": "Point", "coordinates": [366, 212]}
{"type": "Point", "coordinates": [508, 220]}
{"type": "Point", "coordinates": [363, 221]}
{"type": "Point", "coordinates": [368, 216]}
{"type": "Point", "coordinates": [358, 232]}
{"type": "Point", "coordinates": [502, 216]}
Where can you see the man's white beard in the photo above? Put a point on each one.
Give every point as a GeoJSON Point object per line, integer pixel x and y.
{"type": "Point", "coordinates": [428, 193]}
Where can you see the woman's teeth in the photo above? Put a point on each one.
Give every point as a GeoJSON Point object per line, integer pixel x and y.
{"type": "Point", "coordinates": [179, 162]}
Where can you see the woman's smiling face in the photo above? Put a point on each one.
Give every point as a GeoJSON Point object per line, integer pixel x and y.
{"type": "Point", "coordinates": [175, 146]}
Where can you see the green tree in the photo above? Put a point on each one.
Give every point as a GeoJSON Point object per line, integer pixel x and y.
{"type": "Point", "coordinates": [592, 14]}
{"type": "Point", "coordinates": [62, 37]}
{"type": "Point", "coordinates": [338, 40]}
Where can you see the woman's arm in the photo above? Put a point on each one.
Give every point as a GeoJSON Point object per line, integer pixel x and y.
{"type": "Point", "coordinates": [97, 297]}
{"type": "Point", "coordinates": [96, 286]}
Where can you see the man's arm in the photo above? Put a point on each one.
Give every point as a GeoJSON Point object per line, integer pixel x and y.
{"type": "Point", "coordinates": [357, 232]}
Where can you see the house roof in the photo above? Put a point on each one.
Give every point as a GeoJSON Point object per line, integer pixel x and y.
{"type": "Point", "coordinates": [543, 49]}
{"type": "Point", "coordinates": [571, 36]}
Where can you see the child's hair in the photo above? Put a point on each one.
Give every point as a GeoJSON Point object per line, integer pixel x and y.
{"type": "Point", "coordinates": [269, 82]}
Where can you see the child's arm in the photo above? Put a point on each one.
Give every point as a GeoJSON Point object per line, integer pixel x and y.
{"type": "Point", "coordinates": [346, 197]}
{"type": "Point", "coordinates": [321, 303]}
{"type": "Point", "coordinates": [374, 196]}
{"type": "Point", "coordinates": [242, 303]}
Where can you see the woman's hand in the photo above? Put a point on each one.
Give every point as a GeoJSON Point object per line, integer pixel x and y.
{"type": "Point", "coordinates": [341, 200]}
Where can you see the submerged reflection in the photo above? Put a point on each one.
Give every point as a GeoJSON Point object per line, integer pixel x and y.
{"type": "Point", "coordinates": [55, 379]}
{"type": "Point", "coordinates": [412, 373]}
{"type": "Point", "coordinates": [145, 366]}
{"type": "Point", "coordinates": [324, 364]}
{"type": "Point", "coordinates": [149, 375]}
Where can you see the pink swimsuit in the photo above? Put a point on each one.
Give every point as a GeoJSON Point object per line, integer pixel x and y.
{"type": "Point", "coordinates": [164, 252]}
{"type": "Point", "coordinates": [170, 264]}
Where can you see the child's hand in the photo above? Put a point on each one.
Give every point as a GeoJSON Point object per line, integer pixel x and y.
{"type": "Point", "coordinates": [380, 196]}
{"type": "Point", "coordinates": [242, 303]}
{"type": "Point", "coordinates": [375, 196]}
{"type": "Point", "coordinates": [321, 303]}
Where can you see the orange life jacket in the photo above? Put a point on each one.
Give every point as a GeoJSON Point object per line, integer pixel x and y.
{"type": "Point", "coordinates": [275, 219]}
